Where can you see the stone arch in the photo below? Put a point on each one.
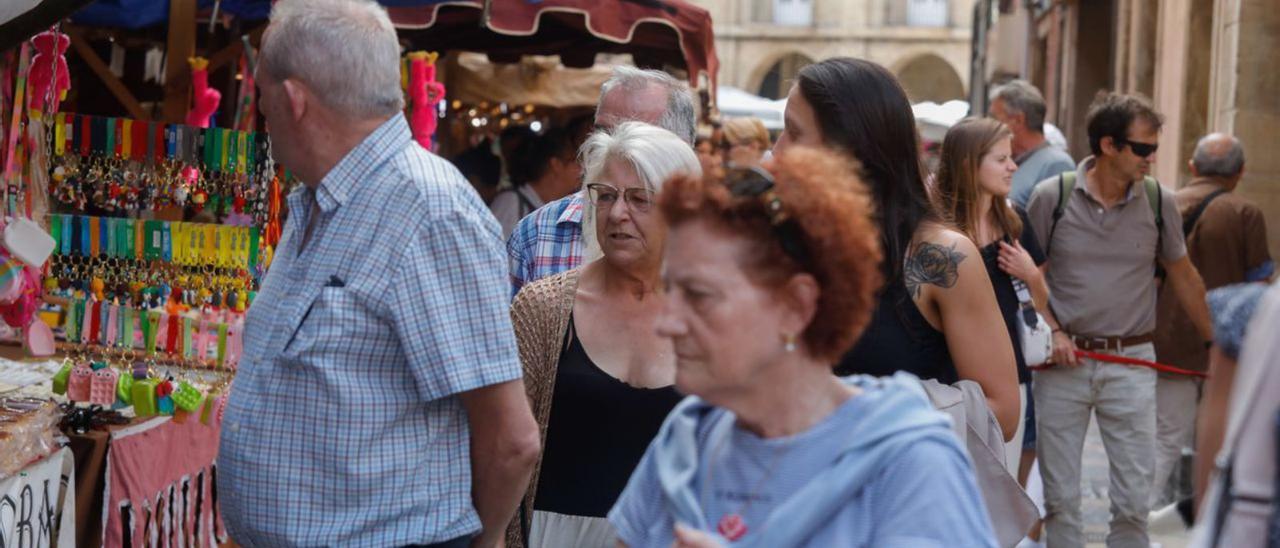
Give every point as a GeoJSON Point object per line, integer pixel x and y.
{"type": "Point", "coordinates": [928, 77]}
{"type": "Point", "coordinates": [772, 78]}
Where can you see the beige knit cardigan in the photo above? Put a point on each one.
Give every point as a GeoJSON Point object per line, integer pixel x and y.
{"type": "Point", "coordinates": [540, 314]}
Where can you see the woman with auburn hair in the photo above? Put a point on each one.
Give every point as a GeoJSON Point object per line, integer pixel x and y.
{"type": "Point", "coordinates": [770, 277]}
{"type": "Point", "coordinates": [973, 184]}
{"type": "Point", "coordinates": [936, 317]}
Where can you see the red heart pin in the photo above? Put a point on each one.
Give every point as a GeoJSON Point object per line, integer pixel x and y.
{"type": "Point", "coordinates": [732, 527]}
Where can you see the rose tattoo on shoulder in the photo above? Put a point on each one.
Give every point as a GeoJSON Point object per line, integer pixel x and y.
{"type": "Point", "coordinates": [932, 264]}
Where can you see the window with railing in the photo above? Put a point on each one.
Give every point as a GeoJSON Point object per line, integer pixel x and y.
{"type": "Point", "coordinates": [918, 13]}
{"type": "Point", "coordinates": [789, 13]}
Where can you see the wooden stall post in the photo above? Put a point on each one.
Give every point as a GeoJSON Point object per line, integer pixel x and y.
{"type": "Point", "coordinates": [182, 46]}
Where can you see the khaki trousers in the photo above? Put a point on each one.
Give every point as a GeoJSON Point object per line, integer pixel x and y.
{"type": "Point", "coordinates": [1123, 398]}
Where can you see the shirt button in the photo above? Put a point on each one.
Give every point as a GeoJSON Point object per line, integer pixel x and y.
{"type": "Point", "coordinates": [1099, 211]}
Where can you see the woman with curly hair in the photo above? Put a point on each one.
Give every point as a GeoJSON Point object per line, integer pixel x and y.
{"type": "Point", "coordinates": [770, 277]}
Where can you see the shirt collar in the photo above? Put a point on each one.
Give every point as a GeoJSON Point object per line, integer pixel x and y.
{"type": "Point", "coordinates": [1205, 181]}
{"type": "Point", "coordinates": [1022, 158]}
{"type": "Point", "coordinates": [337, 185]}
{"type": "Point", "coordinates": [573, 211]}
{"type": "Point", "coordinates": [1083, 186]}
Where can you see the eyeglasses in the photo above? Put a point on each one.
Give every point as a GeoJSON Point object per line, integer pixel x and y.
{"type": "Point", "coordinates": [604, 196]}
{"type": "Point", "coordinates": [755, 182]}
{"type": "Point", "coordinates": [1142, 150]}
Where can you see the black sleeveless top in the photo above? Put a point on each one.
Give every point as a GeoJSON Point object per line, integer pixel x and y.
{"type": "Point", "coordinates": [598, 429]}
{"type": "Point", "coordinates": [1006, 297]}
{"type": "Point", "coordinates": [900, 339]}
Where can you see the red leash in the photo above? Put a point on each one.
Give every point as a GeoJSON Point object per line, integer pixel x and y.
{"type": "Point", "coordinates": [1125, 360]}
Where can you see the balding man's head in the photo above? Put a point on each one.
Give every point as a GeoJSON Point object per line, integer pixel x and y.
{"type": "Point", "coordinates": [1218, 155]}
{"type": "Point", "coordinates": [649, 96]}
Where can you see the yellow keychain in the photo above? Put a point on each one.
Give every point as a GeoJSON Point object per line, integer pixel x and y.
{"type": "Point", "coordinates": [210, 244]}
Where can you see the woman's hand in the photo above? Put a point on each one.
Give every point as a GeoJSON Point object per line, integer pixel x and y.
{"type": "Point", "coordinates": [688, 537]}
{"type": "Point", "coordinates": [1016, 262]}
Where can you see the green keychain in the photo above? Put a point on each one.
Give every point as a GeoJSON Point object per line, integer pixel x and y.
{"type": "Point", "coordinates": [187, 397]}
{"type": "Point", "coordinates": [61, 377]}
{"type": "Point", "coordinates": [72, 328]}
{"type": "Point", "coordinates": [124, 387]}
{"type": "Point", "coordinates": [144, 397]}
{"type": "Point", "coordinates": [206, 411]}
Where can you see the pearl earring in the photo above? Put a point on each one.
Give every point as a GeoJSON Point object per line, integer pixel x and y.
{"type": "Point", "coordinates": [789, 343]}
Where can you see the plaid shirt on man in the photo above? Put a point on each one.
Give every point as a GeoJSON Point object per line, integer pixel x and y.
{"type": "Point", "coordinates": [343, 427]}
{"type": "Point", "coordinates": [547, 241]}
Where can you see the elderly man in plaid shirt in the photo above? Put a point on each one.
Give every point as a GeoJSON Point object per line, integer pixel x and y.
{"type": "Point", "coordinates": [549, 240]}
{"type": "Point", "coordinates": [379, 401]}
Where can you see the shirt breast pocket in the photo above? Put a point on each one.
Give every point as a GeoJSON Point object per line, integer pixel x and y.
{"type": "Point", "coordinates": [331, 319]}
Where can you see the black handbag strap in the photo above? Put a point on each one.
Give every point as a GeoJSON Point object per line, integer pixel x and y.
{"type": "Point", "coordinates": [1189, 223]}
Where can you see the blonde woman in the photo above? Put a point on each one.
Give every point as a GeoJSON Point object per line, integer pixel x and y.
{"type": "Point", "coordinates": [745, 141]}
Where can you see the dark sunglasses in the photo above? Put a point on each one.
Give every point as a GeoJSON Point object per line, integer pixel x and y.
{"type": "Point", "coordinates": [755, 182]}
{"type": "Point", "coordinates": [604, 196]}
{"type": "Point", "coordinates": [1142, 150]}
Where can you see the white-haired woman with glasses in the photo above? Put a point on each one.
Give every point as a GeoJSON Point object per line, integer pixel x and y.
{"type": "Point", "coordinates": [598, 375]}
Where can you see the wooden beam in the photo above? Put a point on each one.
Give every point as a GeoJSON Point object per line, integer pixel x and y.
{"type": "Point", "coordinates": [117, 88]}
{"type": "Point", "coordinates": [182, 46]}
{"type": "Point", "coordinates": [231, 53]}
{"type": "Point", "coordinates": [224, 56]}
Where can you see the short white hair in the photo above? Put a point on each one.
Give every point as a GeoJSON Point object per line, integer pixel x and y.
{"type": "Point", "coordinates": [344, 50]}
{"type": "Point", "coordinates": [656, 154]}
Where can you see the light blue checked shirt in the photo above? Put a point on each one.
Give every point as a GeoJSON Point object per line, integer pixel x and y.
{"type": "Point", "coordinates": [546, 242]}
{"type": "Point", "coordinates": [343, 427]}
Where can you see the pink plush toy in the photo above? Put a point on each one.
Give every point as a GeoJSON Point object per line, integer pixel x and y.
{"type": "Point", "coordinates": [425, 93]}
{"type": "Point", "coordinates": [49, 68]}
{"type": "Point", "coordinates": [205, 99]}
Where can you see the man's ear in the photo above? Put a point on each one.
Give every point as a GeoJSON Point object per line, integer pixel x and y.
{"type": "Point", "coordinates": [1108, 145]}
{"type": "Point", "coordinates": [1191, 168]}
{"type": "Point", "coordinates": [298, 96]}
{"type": "Point", "coordinates": [1019, 119]}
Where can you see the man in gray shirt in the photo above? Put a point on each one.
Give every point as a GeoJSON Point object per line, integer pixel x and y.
{"type": "Point", "coordinates": [1019, 106]}
{"type": "Point", "coordinates": [1103, 243]}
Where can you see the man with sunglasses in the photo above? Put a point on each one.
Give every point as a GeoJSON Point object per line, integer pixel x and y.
{"type": "Point", "coordinates": [1105, 228]}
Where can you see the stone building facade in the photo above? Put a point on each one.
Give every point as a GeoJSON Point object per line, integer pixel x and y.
{"type": "Point", "coordinates": [762, 43]}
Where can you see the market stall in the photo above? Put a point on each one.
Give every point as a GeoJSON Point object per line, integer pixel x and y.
{"type": "Point", "coordinates": [160, 231]}
{"type": "Point", "coordinates": [134, 156]}
{"type": "Point", "coordinates": [657, 34]}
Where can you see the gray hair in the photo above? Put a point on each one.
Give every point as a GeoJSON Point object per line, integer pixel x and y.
{"type": "Point", "coordinates": [344, 50]}
{"type": "Point", "coordinates": [679, 118]}
{"type": "Point", "coordinates": [1021, 96]}
{"type": "Point", "coordinates": [1218, 155]}
{"type": "Point", "coordinates": [655, 153]}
